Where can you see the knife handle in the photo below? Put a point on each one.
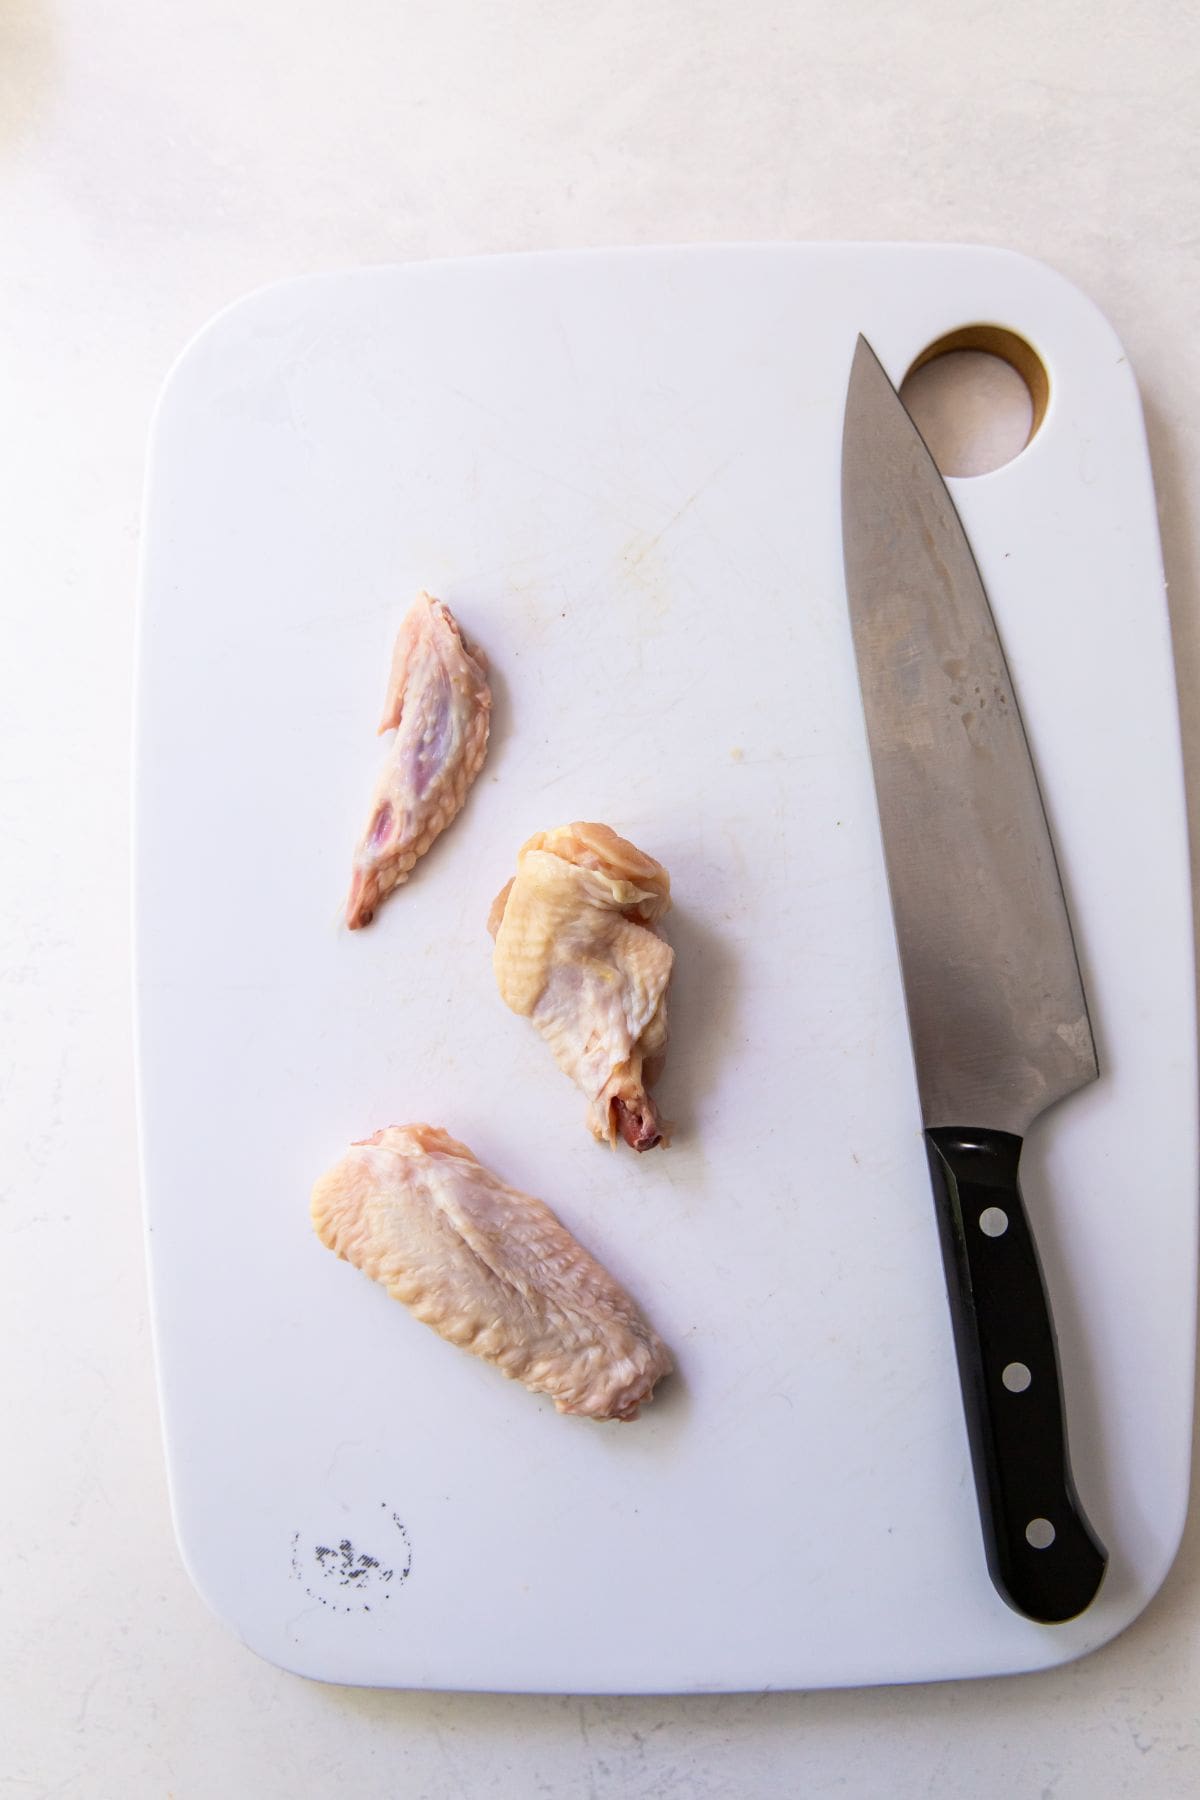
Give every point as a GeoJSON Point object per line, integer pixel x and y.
{"type": "Point", "coordinates": [1042, 1554]}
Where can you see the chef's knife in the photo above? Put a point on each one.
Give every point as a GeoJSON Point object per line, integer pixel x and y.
{"type": "Point", "coordinates": [996, 1008]}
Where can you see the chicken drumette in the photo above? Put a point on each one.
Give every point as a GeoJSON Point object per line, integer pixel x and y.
{"type": "Point", "coordinates": [579, 953]}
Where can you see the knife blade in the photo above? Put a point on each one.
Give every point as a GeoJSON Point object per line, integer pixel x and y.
{"type": "Point", "coordinates": [996, 1008]}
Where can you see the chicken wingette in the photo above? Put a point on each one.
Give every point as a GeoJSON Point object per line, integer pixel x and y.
{"type": "Point", "coordinates": [490, 1269]}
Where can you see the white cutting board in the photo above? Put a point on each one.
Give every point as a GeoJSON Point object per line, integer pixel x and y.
{"type": "Point", "coordinates": [622, 470]}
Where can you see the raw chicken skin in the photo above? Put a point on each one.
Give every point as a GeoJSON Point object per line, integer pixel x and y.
{"type": "Point", "coordinates": [578, 952]}
{"type": "Point", "coordinates": [490, 1269]}
{"type": "Point", "coordinates": [439, 704]}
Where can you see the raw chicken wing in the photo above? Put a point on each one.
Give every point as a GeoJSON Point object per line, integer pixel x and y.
{"type": "Point", "coordinates": [439, 704]}
{"type": "Point", "coordinates": [490, 1269]}
{"type": "Point", "coordinates": [578, 952]}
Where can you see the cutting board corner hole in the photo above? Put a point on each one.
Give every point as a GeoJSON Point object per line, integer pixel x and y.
{"type": "Point", "coordinates": [978, 397]}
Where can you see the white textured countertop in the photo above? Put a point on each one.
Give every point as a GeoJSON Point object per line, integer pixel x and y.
{"type": "Point", "coordinates": [157, 162]}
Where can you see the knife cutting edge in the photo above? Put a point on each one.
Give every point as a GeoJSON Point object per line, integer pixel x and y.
{"type": "Point", "coordinates": [995, 1001]}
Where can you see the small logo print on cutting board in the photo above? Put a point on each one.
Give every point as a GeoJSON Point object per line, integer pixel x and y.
{"type": "Point", "coordinates": [355, 1577]}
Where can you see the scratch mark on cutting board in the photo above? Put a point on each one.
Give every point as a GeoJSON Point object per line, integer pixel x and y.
{"type": "Point", "coordinates": [646, 545]}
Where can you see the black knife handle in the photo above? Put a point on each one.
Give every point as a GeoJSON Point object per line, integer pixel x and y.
{"type": "Point", "coordinates": [1042, 1554]}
